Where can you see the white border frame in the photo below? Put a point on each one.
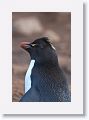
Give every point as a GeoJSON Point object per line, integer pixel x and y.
{"type": "Point", "coordinates": [76, 104]}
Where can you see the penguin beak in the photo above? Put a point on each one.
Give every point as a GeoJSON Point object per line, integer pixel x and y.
{"type": "Point", "coordinates": [25, 45]}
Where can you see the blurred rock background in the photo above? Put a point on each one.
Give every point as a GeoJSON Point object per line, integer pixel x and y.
{"type": "Point", "coordinates": [27, 26]}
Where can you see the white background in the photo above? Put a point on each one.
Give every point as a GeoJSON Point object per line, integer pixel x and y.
{"type": "Point", "coordinates": [76, 104]}
{"type": "Point", "coordinates": [86, 78]}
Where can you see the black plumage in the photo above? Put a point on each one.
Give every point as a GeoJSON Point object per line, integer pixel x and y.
{"type": "Point", "coordinates": [48, 82]}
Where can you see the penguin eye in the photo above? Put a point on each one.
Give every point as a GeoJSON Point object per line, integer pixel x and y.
{"type": "Point", "coordinates": [37, 45]}
{"type": "Point", "coordinates": [33, 45]}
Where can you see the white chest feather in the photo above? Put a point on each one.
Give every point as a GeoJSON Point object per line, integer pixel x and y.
{"type": "Point", "coordinates": [28, 76]}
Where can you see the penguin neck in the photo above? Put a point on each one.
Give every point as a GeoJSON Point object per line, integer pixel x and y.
{"type": "Point", "coordinates": [49, 58]}
{"type": "Point", "coordinates": [47, 62]}
{"type": "Point", "coordinates": [28, 76]}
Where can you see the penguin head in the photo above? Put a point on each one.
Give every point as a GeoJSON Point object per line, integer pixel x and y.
{"type": "Point", "coordinates": [41, 49]}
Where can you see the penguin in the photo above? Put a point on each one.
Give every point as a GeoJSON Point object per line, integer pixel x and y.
{"type": "Point", "coordinates": [48, 81]}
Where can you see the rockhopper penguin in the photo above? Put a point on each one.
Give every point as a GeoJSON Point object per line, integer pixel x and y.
{"type": "Point", "coordinates": [48, 82]}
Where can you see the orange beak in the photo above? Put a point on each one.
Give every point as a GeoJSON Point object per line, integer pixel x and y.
{"type": "Point", "coordinates": [25, 45]}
